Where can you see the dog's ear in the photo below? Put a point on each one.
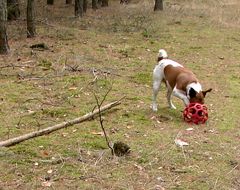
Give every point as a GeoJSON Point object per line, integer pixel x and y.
{"type": "Point", "coordinates": [192, 93]}
{"type": "Point", "coordinates": [206, 91]}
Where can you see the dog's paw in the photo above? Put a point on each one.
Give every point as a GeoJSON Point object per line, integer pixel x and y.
{"type": "Point", "coordinates": [154, 108]}
{"type": "Point", "coordinates": [172, 107]}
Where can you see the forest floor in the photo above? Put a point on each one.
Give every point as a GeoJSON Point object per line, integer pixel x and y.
{"type": "Point", "coordinates": [40, 88]}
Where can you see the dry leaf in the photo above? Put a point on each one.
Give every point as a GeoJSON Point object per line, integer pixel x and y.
{"type": "Point", "coordinates": [47, 183]}
{"type": "Point", "coordinates": [160, 179]}
{"type": "Point", "coordinates": [73, 88]}
{"type": "Point", "coordinates": [159, 187]}
{"type": "Point", "coordinates": [50, 171]}
{"type": "Point", "coordinates": [153, 117]}
{"type": "Point", "coordinates": [74, 130]}
{"type": "Point", "coordinates": [180, 143]}
{"type": "Point", "coordinates": [31, 111]}
{"type": "Point", "coordinates": [189, 129]}
{"type": "Point", "coordinates": [64, 134]}
{"type": "Point", "coordinates": [138, 167]}
{"type": "Point", "coordinates": [45, 153]}
{"type": "Point", "coordinates": [97, 133]}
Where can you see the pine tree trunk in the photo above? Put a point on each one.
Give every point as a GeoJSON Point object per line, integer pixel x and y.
{"type": "Point", "coordinates": [4, 48]}
{"type": "Point", "coordinates": [68, 1]}
{"type": "Point", "coordinates": [85, 3]}
{"type": "Point", "coordinates": [13, 9]}
{"type": "Point", "coordinates": [158, 5]}
{"type": "Point", "coordinates": [50, 2]}
{"type": "Point", "coordinates": [100, 2]}
{"type": "Point", "coordinates": [94, 5]}
{"type": "Point", "coordinates": [78, 8]}
{"type": "Point", "coordinates": [104, 3]}
{"type": "Point", "coordinates": [31, 29]}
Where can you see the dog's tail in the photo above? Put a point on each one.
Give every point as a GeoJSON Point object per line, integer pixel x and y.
{"type": "Point", "coordinates": [162, 54]}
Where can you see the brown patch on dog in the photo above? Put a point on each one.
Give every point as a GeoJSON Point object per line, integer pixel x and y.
{"type": "Point", "coordinates": [179, 77]}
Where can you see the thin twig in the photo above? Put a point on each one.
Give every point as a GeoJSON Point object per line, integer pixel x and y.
{"type": "Point", "coordinates": [233, 169]}
{"type": "Point", "coordinates": [101, 120]}
{"type": "Point", "coordinates": [215, 184]}
{"type": "Point", "coordinates": [99, 159]}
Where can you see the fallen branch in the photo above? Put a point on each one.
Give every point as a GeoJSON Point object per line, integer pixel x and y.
{"type": "Point", "coordinates": [51, 129]}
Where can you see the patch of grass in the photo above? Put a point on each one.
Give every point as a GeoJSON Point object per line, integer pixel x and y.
{"type": "Point", "coordinates": [146, 33]}
{"type": "Point", "coordinates": [24, 149]}
{"type": "Point", "coordinates": [142, 78]}
{"type": "Point", "coordinates": [96, 143]}
{"type": "Point", "coordinates": [60, 112]}
{"type": "Point", "coordinates": [45, 64]}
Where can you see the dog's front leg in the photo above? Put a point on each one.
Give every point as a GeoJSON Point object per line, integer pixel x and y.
{"type": "Point", "coordinates": [181, 95]}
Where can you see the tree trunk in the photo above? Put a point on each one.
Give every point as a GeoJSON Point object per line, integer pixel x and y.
{"type": "Point", "coordinates": [78, 8]}
{"type": "Point", "coordinates": [158, 5]}
{"type": "Point", "coordinates": [4, 48]}
{"type": "Point", "coordinates": [85, 3]}
{"type": "Point", "coordinates": [94, 5]}
{"type": "Point", "coordinates": [100, 2]}
{"type": "Point", "coordinates": [50, 2]}
{"type": "Point", "coordinates": [31, 29]}
{"type": "Point", "coordinates": [104, 3]}
{"type": "Point", "coordinates": [68, 1]}
{"type": "Point", "coordinates": [13, 9]}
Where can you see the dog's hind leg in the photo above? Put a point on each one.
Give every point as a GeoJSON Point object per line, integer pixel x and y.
{"type": "Point", "coordinates": [156, 87]}
{"type": "Point", "coordinates": [157, 79]}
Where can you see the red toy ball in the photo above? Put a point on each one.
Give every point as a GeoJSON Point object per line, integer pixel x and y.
{"type": "Point", "coordinates": [195, 113]}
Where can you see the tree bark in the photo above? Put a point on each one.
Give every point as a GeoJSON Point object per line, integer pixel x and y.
{"type": "Point", "coordinates": [68, 1]}
{"type": "Point", "coordinates": [104, 3]}
{"type": "Point", "coordinates": [31, 28]}
{"type": "Point", "coordinates": [51, 129]}
{"type": "Point", "coordinates": [94, 5]}
{"type": "Point", "coordinates": [100, 2]}
{"type": "Point", "coordinates": [158, 5]}
{"type": "Point", "coordinates": [85, 4]}
{"type": "Point", "coordinates": [4, 47]}
{"type": "Point", "coordinates": [78, 8]}
{"type": "Point", "coordinates": [13, 9]}
{"type": "Point", "coordinates": [50, 2]}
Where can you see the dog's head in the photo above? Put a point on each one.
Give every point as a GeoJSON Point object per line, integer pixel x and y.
{"type": "Point", "coordinates": [197, 97]}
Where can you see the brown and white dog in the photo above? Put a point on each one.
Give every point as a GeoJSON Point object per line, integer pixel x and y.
{"type": "Point", "coordinates": [180, 82]}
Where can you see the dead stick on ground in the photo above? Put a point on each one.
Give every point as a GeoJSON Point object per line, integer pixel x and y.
{"type": "Point", "coordinates": [51, 129]}
{"type": "Point", "coordinates": [99, 104]}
